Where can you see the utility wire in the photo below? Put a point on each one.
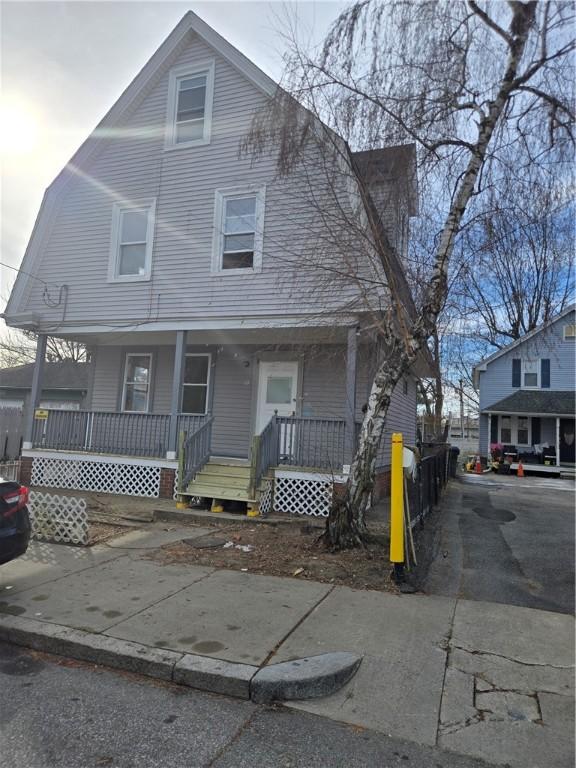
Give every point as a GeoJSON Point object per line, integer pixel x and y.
{"type": "Point", "coordinates": [23, 271]}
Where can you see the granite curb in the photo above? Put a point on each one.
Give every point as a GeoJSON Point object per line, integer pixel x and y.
{"type": "Point", "coordinates": [304, 678]}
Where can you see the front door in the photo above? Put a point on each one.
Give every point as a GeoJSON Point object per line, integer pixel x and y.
{"type": "Point", "coordinates": [277, 391]}
{"type": "Point", "coordinates": [567, 452]}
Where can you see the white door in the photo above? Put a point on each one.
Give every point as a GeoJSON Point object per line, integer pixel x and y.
{"type": "Point", "coordinates": [277, 390]}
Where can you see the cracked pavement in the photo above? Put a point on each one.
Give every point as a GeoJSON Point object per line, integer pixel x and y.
{"type": "Point", "coordinates": [508, 693]}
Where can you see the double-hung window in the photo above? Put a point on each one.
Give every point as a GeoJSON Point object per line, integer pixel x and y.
{"type": "Point", "coordinates": [131, 242]}
{"type": "Point", "coordinates": [189, 118]}
{"type": "Point", "coordinates": [238, 231]}
{"type": "Point", "coordinates": [136, 390]}
{"type": "Point", "coordinates": [196, 384]}
{"type": "Point", "coordinates": [531, 374]}
{"type": "Point", "coordinates": [515, 430]}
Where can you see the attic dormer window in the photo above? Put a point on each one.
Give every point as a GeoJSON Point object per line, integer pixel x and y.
{"type": "Point", "coordinates": [189, 117]}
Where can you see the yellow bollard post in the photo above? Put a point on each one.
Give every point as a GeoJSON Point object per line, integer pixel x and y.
{"type": "Point", "coordinates": [397, 507]}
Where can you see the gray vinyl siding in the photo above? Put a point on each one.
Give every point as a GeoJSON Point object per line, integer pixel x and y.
{"type": "Point", "coordinates": [496, 380]}
{"type": "Point", "coordinates": [183, 182]}
{"type": "Point", "coordinates": [234, 376]}
{"type": "Point", "coordinates": [232, 404]}
{"type": "Point", "coordinates": [401, 418]}
{"type": "Point", "coordinates": [108, 374]}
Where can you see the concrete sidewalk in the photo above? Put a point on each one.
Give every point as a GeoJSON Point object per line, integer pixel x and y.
{"type": "Point", "coordinates": [480, 679]}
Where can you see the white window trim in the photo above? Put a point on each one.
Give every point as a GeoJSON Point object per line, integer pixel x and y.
{"type": "Point", "coordinates": [538, 374]}
{"type": "Point", "coordinates": [114, 260]}
{"type": "Point", "coordinates": [207, 385]}
{"type": "Point", "coordinates": [179, 73]}
{"type": "Point", "coordinates": [571, 337]}
{"type": "Point", "coordinates": [514, 431]}
{"type": "Point", "coordinates": [218, 237]}
{"type": "Point", "coordinates": [128, 356]}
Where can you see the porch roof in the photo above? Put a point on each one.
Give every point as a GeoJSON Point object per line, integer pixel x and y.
{"type": "Point", "coordinates": [536, 403]}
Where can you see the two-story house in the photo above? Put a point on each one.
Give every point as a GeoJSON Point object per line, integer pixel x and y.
{"type": "Point", "coordinates": [225, 307]}
{"type": "Point", "coordinates": [527, 396]}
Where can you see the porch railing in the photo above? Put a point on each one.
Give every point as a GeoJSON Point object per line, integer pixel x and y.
{"type": "Point", "coordinates": [265, 451]}
{"type": "Point", "coordinates": [194, 451]}
{"type": "Point", "coordinates": [126, 434]}
{"type": "Point", "coordinates": [312, 442]}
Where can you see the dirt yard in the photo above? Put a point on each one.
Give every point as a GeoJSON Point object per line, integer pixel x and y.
{"type": "Point", "coordinates": [283, 550]}
{"type": "Point", "coordinates": [99, 532]}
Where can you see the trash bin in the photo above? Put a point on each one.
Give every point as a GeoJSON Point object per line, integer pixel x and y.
{"type": "Point", "coordinates": [454, 453]}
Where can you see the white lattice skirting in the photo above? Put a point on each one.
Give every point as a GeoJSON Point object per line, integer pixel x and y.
{"type": "Point", "coordinates": [62, 519]}
{"type": "Point", "coordinates": [303, 493]}
{"type": "Point", "coordinates": [266, 497]}
{"type": "Point", "coordinates": [100, 476]}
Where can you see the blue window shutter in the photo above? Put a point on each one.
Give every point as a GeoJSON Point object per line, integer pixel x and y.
{"type": "Point", "coordinates": [516, 371]}
{"type": "Point", "coordinates": [493, 428]}
{"type": "Point", "coordinates": [545, 373]}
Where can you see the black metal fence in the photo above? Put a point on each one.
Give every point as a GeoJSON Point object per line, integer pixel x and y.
{"type": "Point", "coordinates": [425, 488]}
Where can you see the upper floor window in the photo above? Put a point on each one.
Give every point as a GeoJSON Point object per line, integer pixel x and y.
{"type": "Point", "coordinates": [196, 383]}
{"type": "Point", "coordinates": [530, 374]}
{"type": "Point", "coordinates": [189, 118]}
{"type": "Point", "coordinates": [136, 389]}
{"type": "Point", "coordinates": [131, 242]}
{"type": "Point", "coordinates": [238, 231]}
{"type": "Point", "coordinates": [569, 332]}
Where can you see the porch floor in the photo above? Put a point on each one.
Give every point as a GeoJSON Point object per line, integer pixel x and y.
{"type": "Point", "coordinates": [567, 470]}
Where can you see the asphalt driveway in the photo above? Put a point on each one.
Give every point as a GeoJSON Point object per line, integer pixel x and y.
{"type": "Point", "coordinates": [506, 540]}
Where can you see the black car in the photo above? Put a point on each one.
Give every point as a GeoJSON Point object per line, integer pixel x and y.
{"type": "Point", "coordinates": [14, 520]}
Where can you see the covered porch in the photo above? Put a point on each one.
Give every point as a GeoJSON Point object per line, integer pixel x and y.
{"type": "Point", "coordinates": [261, 399]}
{"type": "Point", "coordinates": [535, 428]}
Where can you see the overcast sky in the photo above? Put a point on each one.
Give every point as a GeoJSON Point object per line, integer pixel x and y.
{"type": "Point", "coordinates": [65, 63]}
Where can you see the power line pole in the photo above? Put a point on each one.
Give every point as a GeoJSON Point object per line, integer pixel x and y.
{"type": "Point", "coordinates": [461, 393]}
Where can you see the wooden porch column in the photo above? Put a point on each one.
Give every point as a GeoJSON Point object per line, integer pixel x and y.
{"type": "Point", "coordinates": [557, 441]}
{"type": "Point", "coordinates": [351, 355]}
{"type": "Point", "coordinates": [36, 390]}
{"type": "Point", "coordinates": [177, 376]}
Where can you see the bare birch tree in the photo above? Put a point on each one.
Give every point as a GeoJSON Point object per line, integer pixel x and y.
{"type": "Point", "coordinates": [465, 82]}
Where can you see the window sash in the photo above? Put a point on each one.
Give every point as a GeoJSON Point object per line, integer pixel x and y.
{"type": "Point", "coordinates": [189, 108]}
{"type": "Point", "coordinates": [133, 386]}
{"type": "Point", "coordinates": [204, 385]}
{"type": "Point", "coordinates": [531, 368]}
{"type": "Point", "coordinates": [515, 430]}
{"type": "Point", "coordinates": [131, 243]}
{"type": "Point", "coordinates": [238, 230]}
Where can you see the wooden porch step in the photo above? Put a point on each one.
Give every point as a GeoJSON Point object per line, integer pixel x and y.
{"type": "Point", "coordinates": [229, 461]}
{"type": "Point", "coordinates": [219, 492]}
{"type": "Point", "coordinates": [226, 470]}
{"type": "Point", "coordinates": [207, 477]}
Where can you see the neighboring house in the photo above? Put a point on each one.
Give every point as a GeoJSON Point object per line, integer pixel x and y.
{"type": "Point", "coordinates": [65, 387]}
{"type": "Point", "coordinates": [196, 277]}
{"type": "Point", "coordinates": [527, 395]}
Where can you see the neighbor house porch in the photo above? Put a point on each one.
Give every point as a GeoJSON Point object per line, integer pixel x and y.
{"type": "Point", "coordinates": [534, 428]}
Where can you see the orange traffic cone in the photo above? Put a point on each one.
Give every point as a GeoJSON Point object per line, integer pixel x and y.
{"type": "Point", "coordinates": [478, 468]}
{"type": "Point", "coordinates": [520, 470]}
